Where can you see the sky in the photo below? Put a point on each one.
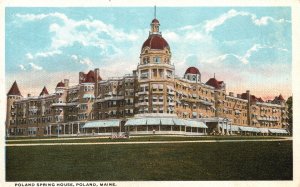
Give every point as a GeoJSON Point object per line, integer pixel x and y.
{"type": "Point", "coordinates": [249, 48]}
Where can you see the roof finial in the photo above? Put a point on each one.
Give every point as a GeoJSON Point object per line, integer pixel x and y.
{"type": "Point", "coordinates": [154, 11]}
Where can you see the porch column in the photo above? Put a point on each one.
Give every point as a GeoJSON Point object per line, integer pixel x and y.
{"type": "Point", "coordinates": [197, 130]}
{"type": "Point", "coordinates": [205, 131]}
{"type": "Point", "coordinates": [171, 128]}
{"type": "Point", "coordinates": [147, 128]}
{"type": "Point", "coordinates": [223, 128]}
{"type": "Point", "coordinates": [64, 129]}
{"type": "Point", "coordinates": [78, 130]}
{"type": "Point", "coordinates": [50, 129]}
{"type": "Point", "coordinates": [57, 129]}
{"type": "Point", "coordinates": [227, 128]}
{"type": "Point", "coordinates": [158, 128]}
{"type": "Point", "coordinates": [72, 128]}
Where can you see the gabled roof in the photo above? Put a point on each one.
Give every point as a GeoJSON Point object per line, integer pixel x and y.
{"type": "Point", "coordinates": [44, 91]}
{"type": "Point", "coordinates": [14, 90]}
{"type": "Point", "coordinates": [90, 77]}
{"type": "Point", "coordinates": [280, 98]}
{"type": "Point", "coordinates": [253, 98]}
{"type": "Point", "coordinates": [215, 83]}
{"type": "Point", "coordinates": [60, 84]}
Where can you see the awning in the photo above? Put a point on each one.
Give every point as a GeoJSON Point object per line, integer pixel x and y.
{"type": "Point", "coordinates": [194, 113]}
{"type": "Point", "coordinates": [85, 96]}
{"type": "Point", "coordinates": [206, 102]}
{"type": "Point", "coordinates": [233, 127]}
{"type": "Point", "coordinates": [166, 121]}
{"type": "Point", "coordinates": [102, 123]}
{"type": "Point", "coordinates": [135, 122]}
{"type": "Point", "coordinates": [249, 129]}
{"type": "Point", "coordinates": [263, 130]}
{"type": "Point", "coordinates": [153, 121]}
{"type": "Point", "coordinates": [278, 131]}
{"type": "Point", "coordinates": [195, 95]}
{"type": "Point", "coordinates": [154, 86]}
{"type": "Point", "coordinates": [198, 124]}
{"type": "Point", "coordinates": [237, 111]}
{"type": "Point", "coordinates": [170, 87]}
{"type": "Point", "coordinates": [160, 86]}
{"type": "Point", "coordinates": [179, 121]}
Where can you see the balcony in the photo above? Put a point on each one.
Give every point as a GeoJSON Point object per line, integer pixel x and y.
{"type": "Point", "coordinates": [143, 93]}
{"type": "Point", "coordinates": [142, 104]}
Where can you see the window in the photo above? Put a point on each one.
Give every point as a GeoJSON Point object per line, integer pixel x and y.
{"type": "Point", "coordinates": [156, 59]}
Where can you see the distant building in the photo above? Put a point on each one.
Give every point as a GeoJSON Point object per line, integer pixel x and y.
{"type": "Point", "coordinates": [152, 100]}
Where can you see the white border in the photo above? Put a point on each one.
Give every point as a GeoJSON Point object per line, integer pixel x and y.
{"type": "Point", "coordinates": [294, 4]}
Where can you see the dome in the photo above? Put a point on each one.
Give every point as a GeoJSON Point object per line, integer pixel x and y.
{"type": "Point", "coordinates": [156, 42]}
{"type": "Point", "coordinates": [155, 21]}
{"type": "Point", "coordinates": [192, 70]}
{"type": "Point", "coordinates": [60, 84]}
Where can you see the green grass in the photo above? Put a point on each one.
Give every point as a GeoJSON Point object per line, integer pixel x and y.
{"type": "Point", "coordinates": [144, 138]}
{"type": "Point", "coordinates": [187, 161]}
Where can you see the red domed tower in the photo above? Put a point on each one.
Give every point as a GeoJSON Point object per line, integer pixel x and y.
{"type": "Point", "coordinates": [193, 74]}
{"type": "Point", "coordinates": [155, 73]}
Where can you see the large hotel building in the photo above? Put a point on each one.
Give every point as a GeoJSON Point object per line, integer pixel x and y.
{"type": "Point", "coordinates": [151, 100]}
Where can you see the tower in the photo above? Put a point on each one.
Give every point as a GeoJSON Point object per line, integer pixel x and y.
{"type": "Point", "coordinates": [155, 73]}
{"type": "Point", "coordinates": [12, 95]}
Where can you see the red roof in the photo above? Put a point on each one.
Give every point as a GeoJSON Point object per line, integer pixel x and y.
{"type": "Point", "coordinates": [253, 98]}
{"type": "Point", "coordinates": [192, 70]}
{"type": "Point", "coordinates": [14, 90]}
{"type": "Point", "coordinates": [44, 91]}
{"type": "Point", "coordinates": [156, 42]}
{"type": "Point", "coordinates": [214, 83]}
{"type": "Point", "coordinates": [280, 98]}
{"type": "Point", "coordinates": [90, 77]}
{"type": "Point", "coordinates": [60, 84]}
{"type": "Point", "coordinates": [155, 21]}
{"type": "Point", "coordinates": [260, 100]}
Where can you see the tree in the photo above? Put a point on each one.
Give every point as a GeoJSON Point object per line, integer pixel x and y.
{"type": "Point", "coordinates": [289, 102]}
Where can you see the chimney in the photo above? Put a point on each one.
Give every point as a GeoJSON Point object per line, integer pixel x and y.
{"type": "Point", "coordinates": [81, 77]}
{"type": "Point", "coordinates": [134, 73]}
{"type": "Point", "coordinates": [239, 96]}
{"type": "Point", "coordinates": [66, 82]}
{"type": "Point", "coordinates": [29, 95]}
{"type": "Point", "coordinates": [249, 108]}
{"type": "Point", "coordinates": [97, 74]}
{"type": "Point", "coordinates": [231, 94]}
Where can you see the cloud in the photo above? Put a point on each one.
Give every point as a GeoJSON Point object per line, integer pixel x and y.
{"type": "Point", "coordinates": [43, 54]}
{"type": "Point", "coordinates": [29, 56]}
{"type": "Point", "coordinates": [88, 32]}
{"type": "Point", "coordinates": [244, 59]}
{"type": "Point", "coordinates": [35, 67]}
{"type": "Point", "coordinates": [37, 17]}
{"type": "Point", "coordinates": [48, 53]}
{"type": "Point", "coordinates": [22, 67]}
{"type": "Point", "coordinates": [86, 61]}
{"type": "Point", "coordinates": [210, 25]}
